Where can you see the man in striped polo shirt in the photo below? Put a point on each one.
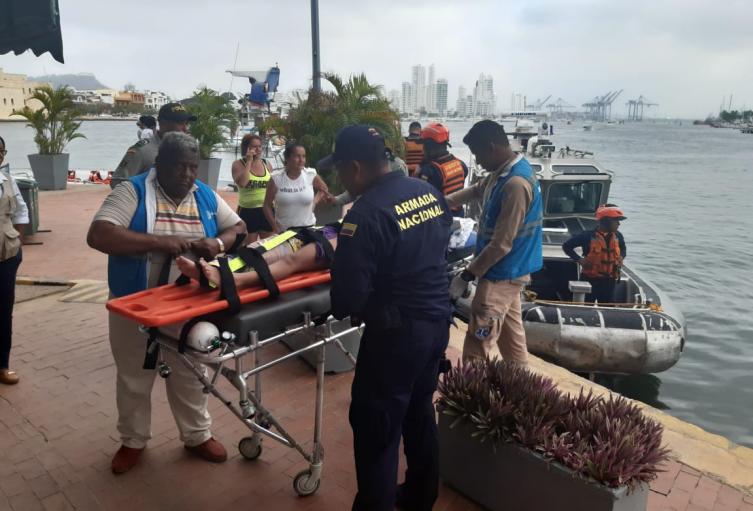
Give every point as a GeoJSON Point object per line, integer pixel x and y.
{"type": "Point", "coordinates": [143, 225]}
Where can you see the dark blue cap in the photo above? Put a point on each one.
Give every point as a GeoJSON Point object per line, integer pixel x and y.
{"type": "Point", "coordinates": [357, 142]}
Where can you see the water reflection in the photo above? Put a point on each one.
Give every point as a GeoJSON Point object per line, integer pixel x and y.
{"type": "Point", "coordinates": [641, 387]}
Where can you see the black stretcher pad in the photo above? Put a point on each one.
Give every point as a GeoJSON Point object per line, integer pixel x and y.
{"type": "Point", "coordinates": [272, 316]}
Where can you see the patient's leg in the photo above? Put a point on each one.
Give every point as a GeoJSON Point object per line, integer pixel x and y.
{"type": "Point", "coordinates": [305, 259]}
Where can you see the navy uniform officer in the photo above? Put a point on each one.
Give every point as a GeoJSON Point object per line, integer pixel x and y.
{"type": "Point", "coordinates": [389, 270]}
{"type": "Point", "coordinates": [141, 156]}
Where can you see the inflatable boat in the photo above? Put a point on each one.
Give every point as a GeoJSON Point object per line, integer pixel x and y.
{"type": "Point", "coordinates": [642, 332]}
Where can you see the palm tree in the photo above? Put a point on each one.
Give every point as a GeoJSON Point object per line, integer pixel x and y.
{"type": "Point", "coordinates": [55, 124]}
{"type": "Point", "coordinates": [315, 120]}
{"type": "Point", "coordinates": [215, 114]}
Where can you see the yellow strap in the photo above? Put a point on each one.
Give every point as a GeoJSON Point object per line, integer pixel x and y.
{"type": "Point", "coordinates": [236, 263]}
{"type": "Point", "coordinates": [278, 240]}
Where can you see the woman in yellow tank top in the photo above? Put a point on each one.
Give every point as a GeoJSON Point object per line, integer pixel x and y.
{"type": "Point", "coordinates": [252, 174]}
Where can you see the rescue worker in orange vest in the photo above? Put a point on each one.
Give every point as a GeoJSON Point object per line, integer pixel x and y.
{"type": "Point", "coordinates": [414, 150]}
{"type": "Point", "coordinates": [440, 168]}
{"type": "Point", "coordinates": [603, 251]}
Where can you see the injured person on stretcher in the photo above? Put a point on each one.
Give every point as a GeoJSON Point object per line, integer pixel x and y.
{"type": "Point", "coordinates": [285, 254]}
{"type": "Point", "coordinates": [298, 251]}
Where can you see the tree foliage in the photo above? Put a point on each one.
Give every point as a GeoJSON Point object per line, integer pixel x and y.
{"type": "Point", "coordinates": [56, 123]}
{"type": "Point", "coordinates": [315, 120]}
{"type": "Point", "coordinates": [216, 117]}
{"type": "Point", "coordinates": [736, 115]}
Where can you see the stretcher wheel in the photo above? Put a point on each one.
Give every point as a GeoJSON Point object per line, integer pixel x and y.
{"type": "Point", "coordinates": [250, 447]}
{"type": "Point", "coordinates": [303, 485]}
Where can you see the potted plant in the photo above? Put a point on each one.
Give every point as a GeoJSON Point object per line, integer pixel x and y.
{"type": "Point", "coordinates": [55, 124]}
{"type": "Point", "coordinates": [509, 439]}
{"type": "Point", "coordinates": [216, 117]}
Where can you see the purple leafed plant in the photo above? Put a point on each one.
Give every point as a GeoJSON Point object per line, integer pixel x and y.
{"type": "Point", "coordinates": [609, 440]}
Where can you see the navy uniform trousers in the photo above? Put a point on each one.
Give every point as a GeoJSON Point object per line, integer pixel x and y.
{"type": "Point", "coordinates": [392, 395]}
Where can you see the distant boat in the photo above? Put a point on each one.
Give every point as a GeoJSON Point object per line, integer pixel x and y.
{"type": "Point", "coordinates": [587, 127]}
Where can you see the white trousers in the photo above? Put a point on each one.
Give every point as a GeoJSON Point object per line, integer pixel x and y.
{"type": "Point", "coordinates": [134, 390]}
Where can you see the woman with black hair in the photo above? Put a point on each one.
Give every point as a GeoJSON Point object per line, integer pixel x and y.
{"type": "Point", "coordinates": [13, 214]}
{"type": "Point", "coordinates": [252, 175]}
{"type": "Point", "coordinates": [293, 192]}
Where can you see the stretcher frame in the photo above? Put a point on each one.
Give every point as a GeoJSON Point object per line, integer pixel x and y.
{"type": "Point", "coordinates": [249, 408]}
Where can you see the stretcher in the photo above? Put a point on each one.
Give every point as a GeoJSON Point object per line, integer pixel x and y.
{"type": "Point", "coordinates": [245, 335]}
{"type": "Point", "coordinates": [168, 314]}
{"type": "Point", "coordinates": [173, 303]}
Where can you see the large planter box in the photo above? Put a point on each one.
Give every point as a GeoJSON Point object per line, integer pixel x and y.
{"type": "Point", "coordinates": [50, 170]}
{"type": "Point", "coordinates": [511, 477]}
{"type": "Point", "coordinates": [209, 172]}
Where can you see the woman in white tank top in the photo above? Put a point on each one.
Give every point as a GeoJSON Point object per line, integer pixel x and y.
{"type": "Point", "coordinates": [293, 192]}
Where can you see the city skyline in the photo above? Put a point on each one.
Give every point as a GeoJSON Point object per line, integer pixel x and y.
{"type": "Point", "coordinates": [427, 94]}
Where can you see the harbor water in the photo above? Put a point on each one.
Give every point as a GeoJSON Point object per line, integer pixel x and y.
{"type": "Point", "coordinates": [686, 191]}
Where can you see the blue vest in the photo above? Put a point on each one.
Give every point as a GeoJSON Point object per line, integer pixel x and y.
{"type": "Point", "coordinates": [525, 257]}
{"type": "Point", "coordinates": [128, 274]}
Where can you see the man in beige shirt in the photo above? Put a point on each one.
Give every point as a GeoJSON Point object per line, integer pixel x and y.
{"type": "Point", "coordinates": [508, 248]}
{"type": "Point", "coordinates": [143, 224]}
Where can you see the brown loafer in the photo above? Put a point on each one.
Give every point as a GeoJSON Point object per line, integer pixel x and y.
{"type": "Point", "coordinates": [8, 377]}
{"type": "Point", "coordinates": [125, 459]}
{"type": "Point", "coordinates": [211, 450]}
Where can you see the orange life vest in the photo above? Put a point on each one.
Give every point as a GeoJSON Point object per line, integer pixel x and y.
{"type": "Point", "coordinates": [605, 257]}
{"type": "Point", "coordinates": [414, 155]}
{"type": "Point", "coordinates": [453, 175]}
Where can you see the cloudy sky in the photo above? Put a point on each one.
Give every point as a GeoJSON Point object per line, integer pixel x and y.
{"type": "Point", "coordinates": [683, 54]}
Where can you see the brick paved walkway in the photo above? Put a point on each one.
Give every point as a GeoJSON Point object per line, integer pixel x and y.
{"type": "Point", "coordinates": [57, 427]}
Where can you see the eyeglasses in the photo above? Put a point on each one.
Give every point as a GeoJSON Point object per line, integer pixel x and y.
{"type": "Point", "coordinates": [3, 152]}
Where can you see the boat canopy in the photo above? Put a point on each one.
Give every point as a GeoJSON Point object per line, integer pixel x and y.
{"type": "Point", "coordinates": [263, 83]}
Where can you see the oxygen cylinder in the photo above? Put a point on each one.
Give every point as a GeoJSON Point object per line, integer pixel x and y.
{"type": "Point", "coordinates": [203, 336]}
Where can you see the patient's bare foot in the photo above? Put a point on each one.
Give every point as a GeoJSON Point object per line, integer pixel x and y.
{"type": "Point", "coordinates": [211, 272]}
{"type": "Point", "coordinates": [187, 267]}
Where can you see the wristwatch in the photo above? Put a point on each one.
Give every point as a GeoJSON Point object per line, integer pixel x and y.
{"type": "Point", "coordinates": [467, 276]}
{"type": "Point", "coordinates": [222, 245]}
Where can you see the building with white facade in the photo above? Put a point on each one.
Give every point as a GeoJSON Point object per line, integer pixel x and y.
{"type": "Point", "coordinates": [407, 99]}
{"type": "Point", "coordinates": [431, 102]}
{"type": "Point", "coordinates": [440, 97]}
{"type": "Point", "coordinates": [154, 100]}
{"type": "Point", "coordinates": [484, 99]}
{"type": "Point", "coordinates": [394, 98]}
{"type": "Point", "coordinates": [418, 82]}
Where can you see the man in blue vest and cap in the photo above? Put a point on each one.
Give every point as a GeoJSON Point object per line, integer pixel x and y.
{"type": "Point", "coordinates": [508, 246]}
{"type": "Point", "coordinates": [143, 225]}
{"type": "Point", "coordinates": [390, 271]}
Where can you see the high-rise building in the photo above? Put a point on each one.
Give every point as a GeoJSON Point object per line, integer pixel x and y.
{"type": "Point", "coordinates": [394, 97]}
{"type": "Point", "coordinates": [484, 100]}
{"type": "Point", "coordinates": [517, 102]}
{"type": "Point", "coordinates": [419, 87]}
{"type": "Point", "coordinates": [407, 101]}
{"type": "Point", "coordinates": [431, 102]}
{"type": "Point", "coordinates": [440, 95]}
{"type": "Point", "coordinates": [460, 106]}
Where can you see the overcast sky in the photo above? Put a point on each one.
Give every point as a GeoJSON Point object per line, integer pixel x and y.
{"type": "Point", "coordinates": [683, 54]}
